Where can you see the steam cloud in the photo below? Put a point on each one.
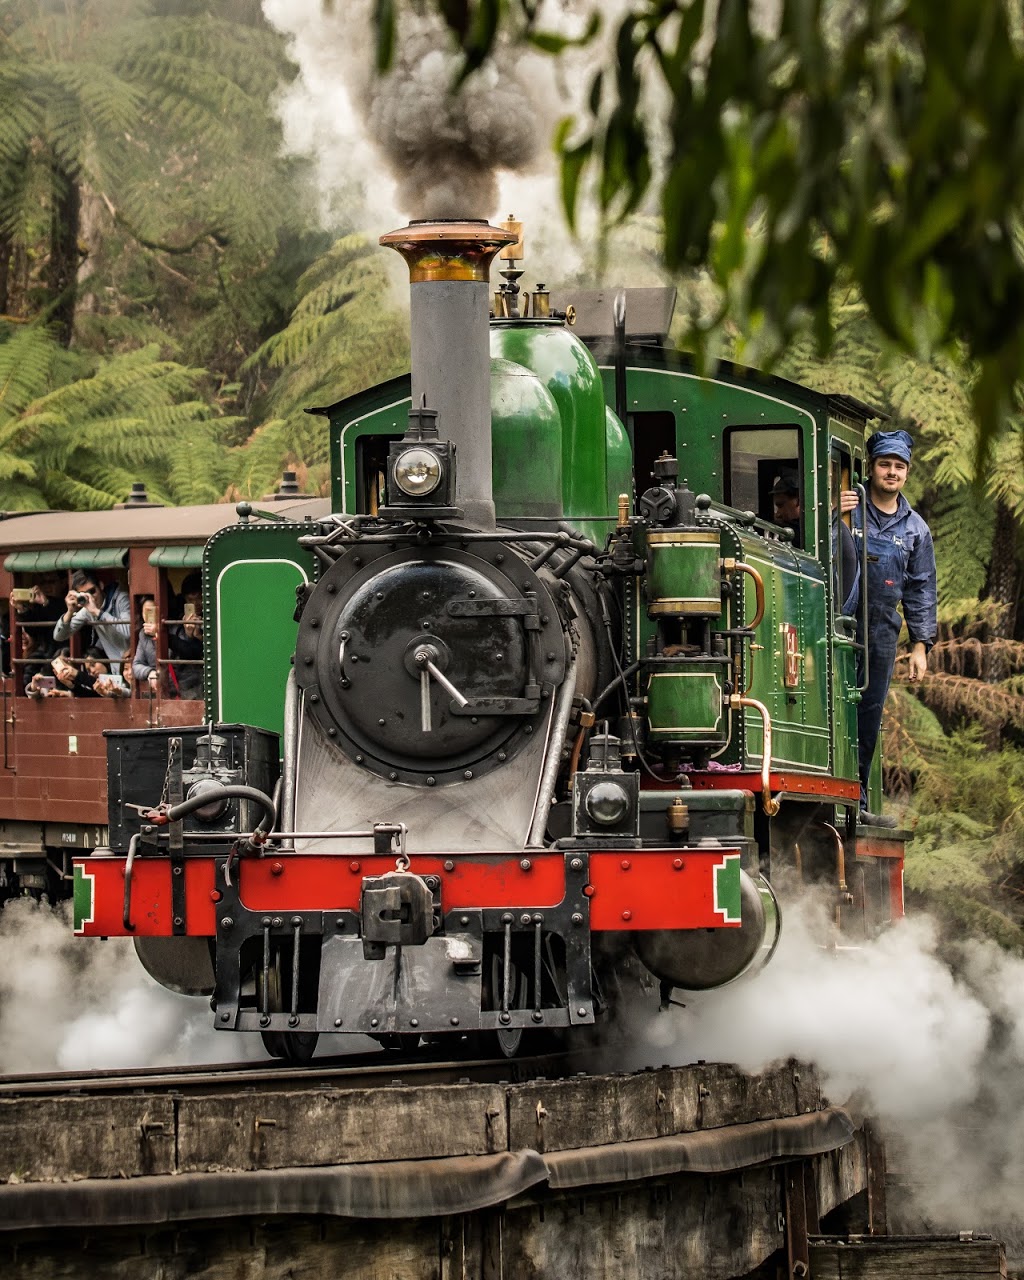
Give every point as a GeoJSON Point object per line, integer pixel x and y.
{"type": "Point", "coordinates": [927, 1037]}
{"type": "Point", "coordinates": [443, 152]}
{"type": "Point", "coordinates": [70, 1003]}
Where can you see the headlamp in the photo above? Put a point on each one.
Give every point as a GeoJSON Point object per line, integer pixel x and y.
{"type": "Point", "coordinates": [607, 803]}
{"type": "Point", "coordinates": [417, 472]}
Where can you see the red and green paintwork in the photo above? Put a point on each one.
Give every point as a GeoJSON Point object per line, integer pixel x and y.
{"type": "Point", "coordinates": [635, 889]}
{"type": "Point", "coordinates": [559, 451]}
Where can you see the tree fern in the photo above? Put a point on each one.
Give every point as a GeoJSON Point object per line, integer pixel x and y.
{"type": "Point", "coordinates": [160, 115]}
{"type": "Point", "coordinates": [345, 333]}
{"type": "Point", "coordinates": [81, 444]}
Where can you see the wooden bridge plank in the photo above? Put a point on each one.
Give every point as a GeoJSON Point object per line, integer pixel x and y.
{"type": "Point", "coordinates": [69, 1138]}
{"type": "Point", "coordinates": [289, 1129]}
{"type": "Point", "coordinates": [893, 1259]}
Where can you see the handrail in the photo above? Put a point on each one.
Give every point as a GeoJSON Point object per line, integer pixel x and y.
{"type": "Point", "coordinates": [729, 564]}
{"type": "Point", "coordinates": [862, 688]}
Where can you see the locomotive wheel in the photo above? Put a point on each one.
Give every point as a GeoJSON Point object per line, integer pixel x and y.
{"type": "Point", "coordinates": [289, 1046]}
{"type": "Point", "coordinates": [507, 1040]}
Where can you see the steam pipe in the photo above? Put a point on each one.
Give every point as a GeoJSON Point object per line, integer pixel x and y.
{"type": "Point", "coordinates": [769, 804]}
{"type": "Point", "coordinates": [554, 758]}
{"type": "Point", "coordinates": [286, 814]}
{"type": "Point", "coordinates": [840, 857]}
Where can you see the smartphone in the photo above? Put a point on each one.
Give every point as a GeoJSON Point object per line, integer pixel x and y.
{"type": "Point", "coordinates": [149, 611]}
{"type": "Point", "coordinates": [189, 612]}
{"type": "Point", "coordinates": [22, 595]}
{"type": "Point", "coordinates": [46, 682]}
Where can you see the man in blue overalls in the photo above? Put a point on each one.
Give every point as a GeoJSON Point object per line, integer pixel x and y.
{"type": "Point", "coordinates": [901, 570]}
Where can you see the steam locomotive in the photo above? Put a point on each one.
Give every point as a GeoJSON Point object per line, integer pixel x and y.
{"type": "Point", "coordinates": [551, 693]}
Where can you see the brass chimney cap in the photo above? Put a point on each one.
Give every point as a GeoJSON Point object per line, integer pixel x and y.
{"type": "Point", "coordinates": [456, 249]}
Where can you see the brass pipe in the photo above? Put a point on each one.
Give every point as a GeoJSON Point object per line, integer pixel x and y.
{"type": "Point", "coordinates": [840, 856]}
{"type": "Point", "coordinates": [587, 722]}
{"type": "Point", "coordinates": [574, 759]}
{"type": "Point", "coordinates": [729, 564]}
{"type": "Point", "coordinates": [770, 805]}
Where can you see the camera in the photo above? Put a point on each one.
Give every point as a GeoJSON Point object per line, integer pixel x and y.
{"type": "Point", "coordinates": [81, 599]}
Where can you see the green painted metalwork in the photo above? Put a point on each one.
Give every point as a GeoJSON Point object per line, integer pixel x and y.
{"type": "Point", "coordinates": [684, 576]}
{"type": "Point", "coordinates": [83, 899]}
{"type": "Point", "coordinates": [526, 444]}
{"type": "Point", "coordinates": [571, 374]}
{"type": "Point", "coordinates": [814, 718]}
{"type": "Point", "coordinates": [619, 460]}
{"type": "Point", "coordinates": [794, 598]}
{"type": "Point", "coordinates": [250, 573]}
{"type": "Point", "coordinates": [380, 411]}
{"type": "Point", "coordinates": [179, 557]}
{"type": "Point", "coordinates": [728, 895]}
{"type": "Point", "coordinates": [557, 450]}
{"type": "Point", "coordinates": [684, 704]}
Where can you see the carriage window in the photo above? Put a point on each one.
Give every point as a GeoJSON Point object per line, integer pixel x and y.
{"type": "Point", "coordinates": [764, 474]}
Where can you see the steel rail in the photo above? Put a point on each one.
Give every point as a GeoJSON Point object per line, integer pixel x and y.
{"type": "Point", "coordinates": [368, 1070]}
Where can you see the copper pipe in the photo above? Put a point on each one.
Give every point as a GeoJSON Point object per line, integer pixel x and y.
{"type": "Point", "coordinates": [729, 565]}
{"type": "Point", "coordinates": [840, 856]}
{"type": "Point", "coordinates": [770, 805]}
{"type": "Point", "coordinates": [574, 759]}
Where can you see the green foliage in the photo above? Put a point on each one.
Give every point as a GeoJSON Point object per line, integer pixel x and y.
{"type": "Point", "coordinates": [968, 814]}
{"type": "Point", "coordinates": [345, 333]}
{"type": "Point", "coordinates": [158, 115]}
{"type": "Point", "coordinates": [875, 140]}
{"type": "Point", "coordinates": [76, 433]}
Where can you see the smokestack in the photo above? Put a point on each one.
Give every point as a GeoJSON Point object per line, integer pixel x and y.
{"type": "Point", "coordinates": [449, 275]}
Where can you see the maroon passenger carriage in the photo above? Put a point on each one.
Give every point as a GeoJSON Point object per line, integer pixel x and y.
{"type": "Point", "coordinates": [53, 783]}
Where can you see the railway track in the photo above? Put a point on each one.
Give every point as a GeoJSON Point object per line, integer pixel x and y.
{"type": "Point", "coordinates": [365, 1071]}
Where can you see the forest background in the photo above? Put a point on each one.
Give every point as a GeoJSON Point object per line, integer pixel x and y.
{"type": "Point", "coordinates": [175, 290]}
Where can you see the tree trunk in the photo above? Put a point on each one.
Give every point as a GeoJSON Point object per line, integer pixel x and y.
{"type": "Point", "coordinates": [6, 253]}
{"type": "Point", "coordinates": [1002, 585]}
{"type": "Point", "coordinates": [62, 276]}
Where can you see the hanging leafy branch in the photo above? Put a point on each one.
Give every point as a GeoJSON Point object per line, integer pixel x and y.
{"type": "Point", "coordinates": [876, 139]}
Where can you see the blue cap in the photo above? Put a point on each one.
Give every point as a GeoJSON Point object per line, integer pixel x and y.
{"type": "Point", "coordinates": [890, 444]}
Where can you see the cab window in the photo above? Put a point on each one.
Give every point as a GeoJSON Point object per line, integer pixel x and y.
{"type": "Point", "coordinates": [764, 474]}
{"type": "Point", "coordinates": [372, 472]}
